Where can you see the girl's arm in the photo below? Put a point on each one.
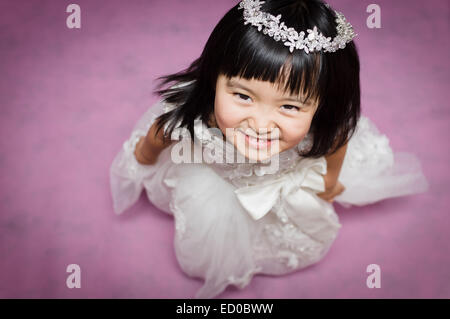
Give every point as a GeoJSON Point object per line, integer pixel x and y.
{"type": "Point", "coordinates": [150, 146]}
{"type": "Point", "coordinates": [334, 163]}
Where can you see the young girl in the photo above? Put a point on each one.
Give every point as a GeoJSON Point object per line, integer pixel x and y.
{"type": "Point", "coordinates": [277, 85]}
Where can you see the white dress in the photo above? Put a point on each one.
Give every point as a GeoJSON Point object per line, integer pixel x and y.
{"type": "Point", "coordinates": [235, 220]}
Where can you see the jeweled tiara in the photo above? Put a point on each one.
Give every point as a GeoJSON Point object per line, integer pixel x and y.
{"type": "Point", "coordinates": [314, 41]}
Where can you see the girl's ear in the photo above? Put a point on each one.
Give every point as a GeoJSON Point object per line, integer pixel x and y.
{"type": "Point", "coordinates": [212, 120]}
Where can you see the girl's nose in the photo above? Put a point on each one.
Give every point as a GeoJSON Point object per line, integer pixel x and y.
{"type": "Point", "coordinates": [262, 125]}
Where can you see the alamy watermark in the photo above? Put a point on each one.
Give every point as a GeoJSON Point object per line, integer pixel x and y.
{"type": "Point", "coordinates": [213, 147]}
{"type": "Point", "coordinates": [73, 20]}
{"type": "Point", "coordinates": [374, 279]}
{"type": "Point", "coordinates": [74, 279]}
{"type": "Point", "coordinates": [374, 19]}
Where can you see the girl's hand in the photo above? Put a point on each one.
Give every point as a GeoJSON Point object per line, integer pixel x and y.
{"type": "Point", "coordinates": [332, 189]}
{"type": "Point", "coordinates": [145, 160]}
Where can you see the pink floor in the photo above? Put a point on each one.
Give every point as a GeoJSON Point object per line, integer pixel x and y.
{"type": "Point", "coordinates": [69, 99]}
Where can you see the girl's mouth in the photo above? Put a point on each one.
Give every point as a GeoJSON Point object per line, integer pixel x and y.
{"type": "Point", "coordinates": [257, 142]}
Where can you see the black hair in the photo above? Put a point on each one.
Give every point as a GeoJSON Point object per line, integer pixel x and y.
{"type": "Point", "coordinates": [235, 49]}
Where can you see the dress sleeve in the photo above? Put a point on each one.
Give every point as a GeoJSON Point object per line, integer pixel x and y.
{"type": "Point", "coordinates": [126, 173]}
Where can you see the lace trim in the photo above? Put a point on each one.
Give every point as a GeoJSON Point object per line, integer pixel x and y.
{"type": "Point", "coordinates": [369, 141]}
{"type": "Point", "coordinates": [287, 159]}
{"type": "Point", "coordinates": [129, 160]}
{"type": "Point", "coordinates": [291, 243]}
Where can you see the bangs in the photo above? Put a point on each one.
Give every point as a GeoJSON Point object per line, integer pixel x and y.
{"type": "Point", "coordinates": [294, 73]}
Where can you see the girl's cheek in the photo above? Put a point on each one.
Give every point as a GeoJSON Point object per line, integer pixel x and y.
{"type": "Point", "coordinates": [226, 119]}
{"type": "Point", "coordinates": [227, 113]}
{"type": "Point", "coordinates": [296, 131]}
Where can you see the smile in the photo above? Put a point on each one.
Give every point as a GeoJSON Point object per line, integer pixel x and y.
{"type": "Point", "coordinates": [257, 143]}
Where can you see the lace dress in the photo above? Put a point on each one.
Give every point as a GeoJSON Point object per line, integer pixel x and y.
{"type": "Point", "coordinates": [235, 220]}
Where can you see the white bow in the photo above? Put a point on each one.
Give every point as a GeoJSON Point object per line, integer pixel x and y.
{"type": "Point", "coordinates": [296, 188]}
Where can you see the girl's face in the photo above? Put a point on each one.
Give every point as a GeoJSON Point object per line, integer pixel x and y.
{"type": "Point", "coordinates": [258, 118]}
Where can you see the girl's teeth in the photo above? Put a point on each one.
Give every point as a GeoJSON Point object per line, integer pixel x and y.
{"type": "Point", "coordinates": [256, 141]}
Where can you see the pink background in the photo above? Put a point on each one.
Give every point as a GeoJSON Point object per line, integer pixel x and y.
{"type": "Point", "coordinates": [69, 99]}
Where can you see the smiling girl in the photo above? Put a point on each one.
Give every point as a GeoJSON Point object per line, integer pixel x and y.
{"type": "Point", "coordinates": [277, 81]}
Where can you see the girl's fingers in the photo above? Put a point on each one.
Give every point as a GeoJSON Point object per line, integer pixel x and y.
{"type": "Point", "coordinates": [329, 196]}
{"type": "Point", "coordinates": [324, 195]}
{"type": "Point", "coordinates": [341, 189]}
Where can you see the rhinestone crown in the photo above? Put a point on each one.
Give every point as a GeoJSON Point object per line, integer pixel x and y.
{"type": "Point", "coordinates": [314, 40]}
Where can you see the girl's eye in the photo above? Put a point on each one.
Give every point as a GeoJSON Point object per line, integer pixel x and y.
{"type": "Point", "coordinates": [242, 96]}
{"type": "Point", "coordinates": [289, 107]}
{"type": "Point", "coordinates": [292, 107]}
